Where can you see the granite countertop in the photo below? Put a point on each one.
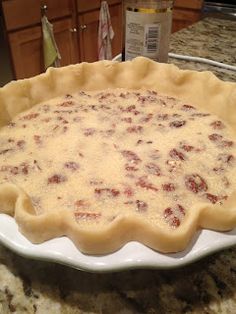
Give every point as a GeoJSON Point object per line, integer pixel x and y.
{"type": "Point", "coordinates": [210, 38]}
{"type": "Point", "coordinates": [207, 286]}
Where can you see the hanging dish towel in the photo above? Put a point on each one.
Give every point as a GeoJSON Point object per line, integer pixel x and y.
{"type": "Point", "coordinates": [105, 33]}
{"type": "Point", "coordinates": [50, 51]}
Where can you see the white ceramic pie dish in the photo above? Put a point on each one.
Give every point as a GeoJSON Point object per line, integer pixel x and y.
{"type": "Point", "coordinates": [132, 255]}
{"type": "Point", "coordinates": [168, 80]}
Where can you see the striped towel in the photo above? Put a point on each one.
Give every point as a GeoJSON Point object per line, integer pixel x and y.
{"type": "Point", "coordinates": [105, 33]}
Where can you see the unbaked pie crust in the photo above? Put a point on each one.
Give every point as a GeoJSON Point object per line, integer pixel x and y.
{"type": "Point", "coordinates": [202, 90]}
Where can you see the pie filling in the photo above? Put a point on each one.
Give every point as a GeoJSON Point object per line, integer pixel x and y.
{"type": "Point", "coordinates": [106, 154]}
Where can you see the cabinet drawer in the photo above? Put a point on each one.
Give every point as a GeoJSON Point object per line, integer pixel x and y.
{"type": "Point", "coordinates": [188, 16]}
{"type": "Point", "coordinates": [186, 4]}
{"type": "Point", "coordinates": [111, 2]}
{"type": "Point", "coordinates": [23, 13]}
{"type": "Point", "coordinates": [86, 5]}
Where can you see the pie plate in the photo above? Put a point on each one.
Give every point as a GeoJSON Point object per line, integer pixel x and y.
{"type": "Point", "coordinates": [132, 255]}
{"type": "Point", "coordinates": [189, 86]}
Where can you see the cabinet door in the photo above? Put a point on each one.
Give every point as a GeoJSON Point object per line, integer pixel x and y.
{"type": "Point", "coordinates": [88, 36]}
{"type": "Point", "coordinates": [16, 17]}
{"type": "Point", "coordinates": [27, 48]}
{"type": "Point", "coordinates": [186, 13]}
{"type": "Point", "coordinates": [116, 21]}
{"type": "Point", "coordinates": [88, 33]}
{"type": "Point", "coordinates": [184, 18]}
{"type": "Point", "coordinates": [26, 51]}
{"type": "Point", "coordinates": [66, 38]}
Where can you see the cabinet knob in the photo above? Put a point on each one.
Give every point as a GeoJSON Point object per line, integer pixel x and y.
{"type": "Point", "coordinates": [73, 30]}
{"type": "Point", "coordinates": [82, 27]}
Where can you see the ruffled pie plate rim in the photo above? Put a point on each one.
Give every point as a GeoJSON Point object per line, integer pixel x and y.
{"type": "Point", "coordinates": [133, 255]}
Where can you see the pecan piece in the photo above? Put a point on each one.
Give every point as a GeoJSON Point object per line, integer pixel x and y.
{"type": "Point", "coordinates": [195, 183]}
{"type": "Point", "coordinates": [57, 178]}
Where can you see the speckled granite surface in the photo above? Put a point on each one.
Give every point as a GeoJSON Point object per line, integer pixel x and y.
{"type": "Point", "coordinates": [28, 286]}
{"type": "Point", "coordinates": [210, 38]}
{"type": "Point", "coordinates": [207, 286]}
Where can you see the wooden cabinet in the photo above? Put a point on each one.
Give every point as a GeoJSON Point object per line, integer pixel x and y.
{"type": "Point", "coordinates": [66, 39]}
{"type": "Point", "coordinates": [27, 50]}
{"type": "Point", "coordinates": [75, 24]}
{"type": "Point", "coordinates": [116, 20]}
{"type": "Point", "coordinates": [23, 27]}
{"type": "Point", "coordinates": [26, 13]}
{"type": "Point", "coordinates": [185, 13]}
{"type": "Point", "coordinates": [88, 36]}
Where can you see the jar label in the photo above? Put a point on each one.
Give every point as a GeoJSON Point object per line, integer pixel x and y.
{"type": "Point", "coordinates": [147, 34]}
